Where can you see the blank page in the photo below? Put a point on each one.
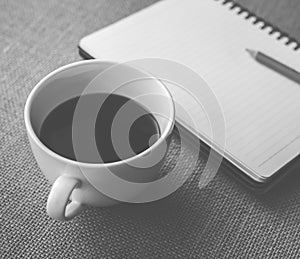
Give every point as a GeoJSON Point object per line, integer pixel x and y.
{"type": "Point", "coordinates": [261, 107]}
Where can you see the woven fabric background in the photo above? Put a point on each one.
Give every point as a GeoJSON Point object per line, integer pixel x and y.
{"type": "Point", "coordinates": [223, 220]}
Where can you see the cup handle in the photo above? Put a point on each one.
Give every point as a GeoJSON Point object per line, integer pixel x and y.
{"type": "Point", "coordinates": [58, 205]}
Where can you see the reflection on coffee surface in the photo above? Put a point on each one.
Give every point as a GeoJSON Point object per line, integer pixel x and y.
{"type": "Point", "coordinates": [56, 129]}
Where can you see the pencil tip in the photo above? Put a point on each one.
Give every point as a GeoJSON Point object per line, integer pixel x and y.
{"type": "Point", "coordinates": [251, 52]}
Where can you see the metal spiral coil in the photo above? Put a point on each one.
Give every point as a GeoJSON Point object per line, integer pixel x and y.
{"type": "Point", "coordinates": [259, 22]}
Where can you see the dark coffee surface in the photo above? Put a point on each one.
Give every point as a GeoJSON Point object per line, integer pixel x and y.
{"type": "Point", "coordinates": [56, 130]}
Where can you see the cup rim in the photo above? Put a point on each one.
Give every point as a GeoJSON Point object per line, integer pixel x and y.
{"type": "Point", "coordinates": [41, 145]}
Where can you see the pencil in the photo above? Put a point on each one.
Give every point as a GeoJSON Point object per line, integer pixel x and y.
{"type": "Point", "coordinates": [275, 65]}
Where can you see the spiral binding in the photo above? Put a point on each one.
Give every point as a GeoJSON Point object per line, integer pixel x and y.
{"type": "Point", "coordinates": [262, 24]}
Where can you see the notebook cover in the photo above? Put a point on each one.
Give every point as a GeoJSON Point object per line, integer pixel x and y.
{"type": "Point", "coordinates": [147, 39]}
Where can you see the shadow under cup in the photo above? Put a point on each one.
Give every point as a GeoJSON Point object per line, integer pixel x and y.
{"type": "Point", "coordinates": [104, 77]}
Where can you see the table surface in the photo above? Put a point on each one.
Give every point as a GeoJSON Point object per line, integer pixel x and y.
{"type": "Point", "coordinates": [223, 220]}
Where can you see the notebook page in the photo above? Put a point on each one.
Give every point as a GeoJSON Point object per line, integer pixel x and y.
{"type": "Point", "coordinates": [261, 107]}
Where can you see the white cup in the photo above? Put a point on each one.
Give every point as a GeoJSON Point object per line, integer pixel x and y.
{"type": "Point", "coordinates": [71, 190]}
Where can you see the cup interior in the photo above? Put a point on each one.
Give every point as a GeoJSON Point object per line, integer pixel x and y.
{"type": "Point", "coordinates": [104, 77]}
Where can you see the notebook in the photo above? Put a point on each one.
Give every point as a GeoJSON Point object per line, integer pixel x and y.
{"type": "Point", "coordinates": [260, 107]}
